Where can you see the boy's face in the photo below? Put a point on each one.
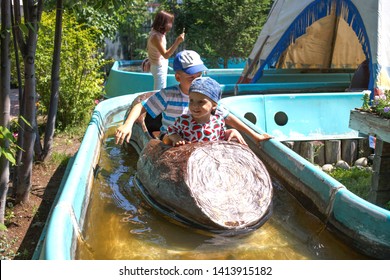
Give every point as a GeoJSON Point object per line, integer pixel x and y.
{"type": "Point", "coordinates": [201, 106]}
{"type": "Point", "coordinates": [185, 80]}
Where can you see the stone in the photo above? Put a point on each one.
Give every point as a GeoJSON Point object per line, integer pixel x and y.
{"type": "Point", "coordinates": [363, 161]}
{"type": "Point", "coordinates": [327, 168]}
{"type": "Point", "coordinates": [343, 165]}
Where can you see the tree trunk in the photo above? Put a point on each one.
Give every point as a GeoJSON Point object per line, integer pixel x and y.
{"type": "Point", "coordinates": [18, 157]}
{"type": "Point", "coordinates": [5, 103]}
{"type": "Point", "coordinates": [213, 185]}
{"type": "Point", "coordinates": [25, 169]}
{"type": "Point", "coordinates": [55, 83]}
{"type": "Point", "coordinates": [226, 62]}
{"type": "Point", "coordinates": [32, 14]}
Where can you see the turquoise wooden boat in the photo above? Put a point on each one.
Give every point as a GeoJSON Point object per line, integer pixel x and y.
{"type": "Point", "coordinates": [310, 116]}
{"type": "Point", "coordinates": [126, 77]}
{"type": "Point", "coordinates": [359, 223]}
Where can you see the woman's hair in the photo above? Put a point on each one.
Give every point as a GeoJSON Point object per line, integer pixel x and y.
{"type": "Point", "coordinates": [161, 21]}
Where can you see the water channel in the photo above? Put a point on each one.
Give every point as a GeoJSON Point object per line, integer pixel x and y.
{"type": "Point", "coordinates": [120, 225]}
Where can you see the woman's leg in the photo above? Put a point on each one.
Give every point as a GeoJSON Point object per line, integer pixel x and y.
{"type": "Point", "coordinates": [160, 73]}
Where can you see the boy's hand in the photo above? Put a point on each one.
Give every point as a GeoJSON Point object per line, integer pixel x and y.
{"type": "Point", "coordinates": [180, 143]}
{"type": "Point", "coordinates": [233, 134]}
{"type": "Point", "coordinates": [263, 137]}
{"type": "Point", "coordinates": [176, 140]}
{"type": "Point", "coordinates": [123, 133]}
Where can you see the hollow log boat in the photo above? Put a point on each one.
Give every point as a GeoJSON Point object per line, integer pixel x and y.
{"type": "Point", "coordinates": [216, 186]}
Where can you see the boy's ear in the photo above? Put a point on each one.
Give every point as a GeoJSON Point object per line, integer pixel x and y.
{"type": "Point", "coordinates": [177, 76]}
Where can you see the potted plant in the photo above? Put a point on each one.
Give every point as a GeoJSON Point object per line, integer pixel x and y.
{"type": "Point", "coordinates": [380, 105]}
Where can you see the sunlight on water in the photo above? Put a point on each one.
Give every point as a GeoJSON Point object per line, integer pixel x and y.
{"type": "Point", "coordinates": [131, 68]}
{"type": "Point", "coordinates": [119, 224]}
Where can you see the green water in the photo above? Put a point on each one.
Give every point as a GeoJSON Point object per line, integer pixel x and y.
{"type": "Point", "coordinates": [120, 225]}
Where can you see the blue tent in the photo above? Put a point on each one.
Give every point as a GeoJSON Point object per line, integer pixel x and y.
{"type": "Point", "coordinates": [324, 34]}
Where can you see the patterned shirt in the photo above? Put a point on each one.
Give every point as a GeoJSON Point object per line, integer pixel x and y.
{"type": "Point", "coordinates": [171, 103]}
{"type": "Point", "coordinates": [191, 131]}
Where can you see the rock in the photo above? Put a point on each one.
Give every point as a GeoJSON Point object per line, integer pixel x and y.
{"type": "Point", "coordinates": [363, 161]}
{"type": "Point", "coordinates": [343, 165]}
{"type": "Point", "coordinates": [327, 167]}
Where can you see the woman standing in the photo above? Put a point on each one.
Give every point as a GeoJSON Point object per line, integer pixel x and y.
{"type": "Point", "coordinates": [157, 48]}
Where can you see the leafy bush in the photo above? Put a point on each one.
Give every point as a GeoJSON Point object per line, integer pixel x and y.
{"type": "Point", "coordinates": [81, 77]}
{"type": "Point", "coordinates": [8, 151]}
{"type": "Point", "coordinates": [7, 246]}
{"type": "Point", "coordinates": [356, 180]}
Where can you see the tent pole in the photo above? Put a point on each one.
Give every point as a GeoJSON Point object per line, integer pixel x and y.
{"type": "Point", "coordinates": [334, 37]}
{"type": "Point", "coordinates": [250, 68]}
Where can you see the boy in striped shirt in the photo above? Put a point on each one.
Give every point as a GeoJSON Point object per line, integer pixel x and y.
{"type": "Point", "coordinates": [173, 101]}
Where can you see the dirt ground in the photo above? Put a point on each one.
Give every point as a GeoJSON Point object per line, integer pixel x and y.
{"type": "Point", "coordinates": [26, 222]}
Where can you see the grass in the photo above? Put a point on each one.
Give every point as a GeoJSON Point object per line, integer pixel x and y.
{"type": "Point", "coordinates": [357, 180]}
{"type": "Point", "coordinates": [60, 158]}
{"type": "Point", "coordinates": [6, 247]}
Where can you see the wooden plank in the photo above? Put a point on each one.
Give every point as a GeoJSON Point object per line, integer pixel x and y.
{"type": "Point", "coordinates": [332, 151]}
{"type": "Point", "coordinates": [380, 187]}
{"type": "Point", "coordinates": [349, 150]}
{"type": "Point", "coordinates": [364, 149]}
{"type": "Point", "coordinates": [307, 151]}
{"type": "Point", "coordinates": [368, 123]}
{"type": "Point", "coordinates": [289, 144]}
{"type": "Point", "coordinates": [297, 147]}
{"type": "Point", "coordinates": [385, 150]}
{"type": "Point", "coordinates": [319, 152]}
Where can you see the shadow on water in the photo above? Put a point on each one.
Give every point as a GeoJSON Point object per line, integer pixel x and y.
{"type": "Point", "coordinates": [119, 224]}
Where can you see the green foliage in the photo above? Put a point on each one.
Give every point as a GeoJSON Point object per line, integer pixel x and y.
{"type": "Point", "coordinates": [8, 145]}
{"type": "Point", "coordinates": [381, 104]}
{"type": "Point", "coordinates": [104, 24]}
{"type": "Point", "coordinates": [61, 159]}
{"type": "Point", "coordinates": [80, 76]}
{"type": "Point", "coordinates": [108, 18]}
{"type": "Point", "coordinates": [133, 29]}
{"type": "Point", "coordinates": [366, 101]}
{"type": "Point", "coordinates": [6, 246]}
{"type": "Point", "coordinates": [356, 180]}
{"type": "Point", "coordinates": [73, 132]}
{"type": "Point", "coordinates": [9, 215]}
{"type": "Point", "coordinates": [220, 29]}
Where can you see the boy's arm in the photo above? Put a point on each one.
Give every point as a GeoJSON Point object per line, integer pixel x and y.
{"type": "Point", "coordinates": [236, 123]}
{"type": "Point", "coordinates": [123, 132]}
